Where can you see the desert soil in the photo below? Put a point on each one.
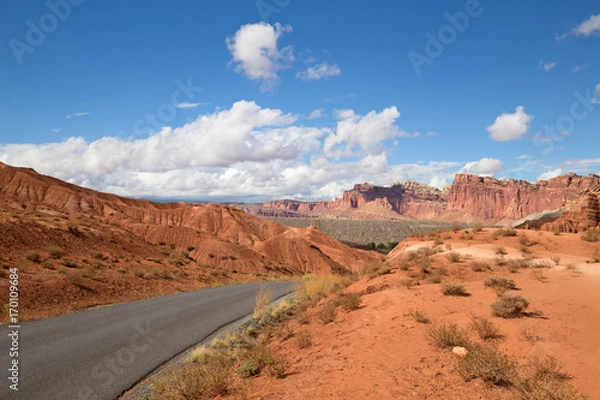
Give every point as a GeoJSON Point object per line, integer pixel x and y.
{"type": "Point", "coordinates": [380, 352]}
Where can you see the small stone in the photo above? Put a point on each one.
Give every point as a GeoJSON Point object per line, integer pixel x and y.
{"type": "Point", "coordinates": [460, 351]}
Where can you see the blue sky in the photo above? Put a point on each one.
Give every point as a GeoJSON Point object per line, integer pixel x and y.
{"type": "Point", "coordinates": [257, 100]}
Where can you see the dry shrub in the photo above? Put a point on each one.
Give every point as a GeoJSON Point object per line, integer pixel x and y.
{"type": "Point", "coordinates": [509, 306]}
{"type": "Point", "coordinates": [545, 379]}
{"type": "Point", "coordinates": [501, 251]}
{"type": "Point", "coordinates": [499, 284]}
{"type": "Point", "coordinates": [479, 266]}
{"type": "Point", "coordinates": [529, 334]}
{"type": "Point", "coordinates": [591, 235]}
{"type": "Point", "coordinates": [327, 314]}
{"type": "Point", "coordinates": [448, 336]}
{"type": "Point", "coordinates": [264, 296]}
{"type": "Point", "coordinates": [304, 340]}
{"type": "Point", "coordinates": [315, 287]}
{"type": "Point", "coordinates": [489, 364]}
{"type": "Point", "coordinates": [454, 257]}
{"type": "Point", "coordinates": [596, 256]}
{"type": "Point", "coordinates": [350, 301]}
{"type": "Point", "coordinates": [33, 256]}
{"type": "Point", "coordinates": [485, 328]}
{"type": "Point", "coordinates": [453, 288]}
{"type": "Point", "coordinates": [478, 227]}
{"type": "Point", "coordinates": [55, 252]}
{"type": "Point", "coordinates": [419, 316]}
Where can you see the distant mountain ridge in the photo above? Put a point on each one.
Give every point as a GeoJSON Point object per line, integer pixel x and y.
{"type": "Point", "coordinates": [469, 198]}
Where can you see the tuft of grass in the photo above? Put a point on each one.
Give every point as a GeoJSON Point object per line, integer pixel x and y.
{"type": "Point", "coordinates": [499, 284]}
{"type": "Point", "coordinates": [591, 235]}
{"type": "Point", "coordinates": [509, 306]}
{"type": "Point", "coordinates": [555, 260]}
{"type": "Point", "coordinates": [327, 314]}
{"type": "Point", "coordinates": [501, 251]}
{"type": "Point", "coordinates": [480, 266]}
{"type": "Point", "coordinates": [55, 252]}
{"type": "Point", "coordinates": [529, 334]}
{"type": "Point", "coordinates": [486, 330]}
{"type": "Point", "coordinates": [490, 365]}
{"type": "Point", "coordinates": [264, 297]}
{"type": "Point", "coordinates": [454, 257]}
{"type": "Point", "coordinates": [33, 256]}
{"type": "Point", "coordinates": [448, 336]}
{"type": "Point", "coordinates": [545, 379]}
{"type": "Point", "coordinates": [315, 287]}
{"type": "Point", "coordinates": [350, 301]}
{"type": "Point", "coordinates": [304, 340]}
{"type": "Point", "coordinates": [453, 288]}
{"type": "Point", "coordinates": [478, 227]}
{"type": "Point", "coordinates": [419, 316]}
{"type": "Point", "coordinates": [248, 368]}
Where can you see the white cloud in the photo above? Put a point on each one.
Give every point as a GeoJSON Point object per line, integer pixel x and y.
{"type": "Point", "coordinates": [547, 66]}
{"type": "Point", "coordinates": [55, 130]}
{"type": "Point", "coordinates": [186, 105]}
{"type": "Point", "coordinates": [432, 133]}
{"type": "Point", "coordinates": [550, 174]}
{"type": "Point", "coordinates": [484, 167]}
{"type": "Point", "coordinates": [242, 153]}
{"type": "Point", "coordinates": [254, 50]}
{"type": "Point", "coordinates": [587, 28]}
{"type": "Point", "coordinates": [318, 113]}
{"type": "Point", "coordinates": [578, 68]}
{"type": "Point", "coordinates": [510, 126]}
{"type": "Point", "coordinates": [77, 115]}
{"type": "Point", "coordinates": [367, 132]}
{"type": "Point", "coordinates": [438, 182]}
{"type": "Point", "coordinates": [596, 98]}
{"type": "Point", "coordinates": [323, 70]}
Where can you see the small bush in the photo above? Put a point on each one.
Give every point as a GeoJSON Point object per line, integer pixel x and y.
{"type": "Point", "coordinates": [190, 248]}
{"type": "Point", "coordinates": [419, 316]}
{"type": "Point", "coordinates": [591, 235]}
{"type": "Point", "coordinates": [490, 365]}
{"type": "Point", "coordinates": [510, 306]}
{"type": "Point", "coordinates": [501, 251]}
{"type": "Point", "coordinates": [248, 368]}
{"type": "Point", "coordinates": [596, 256]}
{"type": "Point", "coordinates": [529, 334]}
{"type": "Point", "coordinates": [479, 266]}
{"type": "Point", "coordinates": [555, 260]}
{"type": "Point", "coordinates": [453, 288]}
{"type": "Point", "coordinates": [327, 314]}
{"type": "Point", "coordinates": [448, 336]}
{"type": "Point", "coordinates": [264, 297]}
{"type": "Point", "coordinates": [454, 257]}
{"type": "Point", "coordinates": [525, 241]}
{"type": "Point", "coordinates": [485, 328]}
{"type": "Point", "coordinates": [55, 252]}
{"type": "Point", "coordinates": [478, 227]}
{"type": "Point", "coordinates": [351, 301]}
{"type": "Point", "coordinates": [33, 256]}
{"type": "Point", "coordinates": [70, 264]}
{"type": "Point", "coordinates": [455, 228]}
{"type": "Point", "coordinates": [304, 340]}
{"type": "Point", "coordinates": [500, 284]}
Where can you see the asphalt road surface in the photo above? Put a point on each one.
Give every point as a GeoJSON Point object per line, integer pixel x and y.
{"type": "Point", "coordinates": [100, 353]}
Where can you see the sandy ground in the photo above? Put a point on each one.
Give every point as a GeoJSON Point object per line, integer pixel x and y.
{"type": "Point", "coordinates": [380, 352]}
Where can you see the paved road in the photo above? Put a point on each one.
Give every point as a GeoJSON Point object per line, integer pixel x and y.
{"type": "Point", "coordinates": [100, 353]}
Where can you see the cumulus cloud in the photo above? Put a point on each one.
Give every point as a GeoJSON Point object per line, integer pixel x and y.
{"type": "Point", "coordinates": [77, 115]}
{"type": "Point", "coordinates": [484, 167]}
{"type": "Point", "coordinates": [510, 126]}
{"type": "Point", "coordinates": [242, 153]}
{"type": "Point", "coordinates": [550, 174]}
{"type": "Point", "coordinates": [256, 55]}
{"type": "Point", "coordinates": [587, 28]}
{"type": "Point", "coordinates": [366, 132]}
{"type": "Point", "coordinates": [323, 70]}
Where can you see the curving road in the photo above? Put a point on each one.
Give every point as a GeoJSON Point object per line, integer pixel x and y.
{"type": "Point", "coordinates": [100, 353]}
